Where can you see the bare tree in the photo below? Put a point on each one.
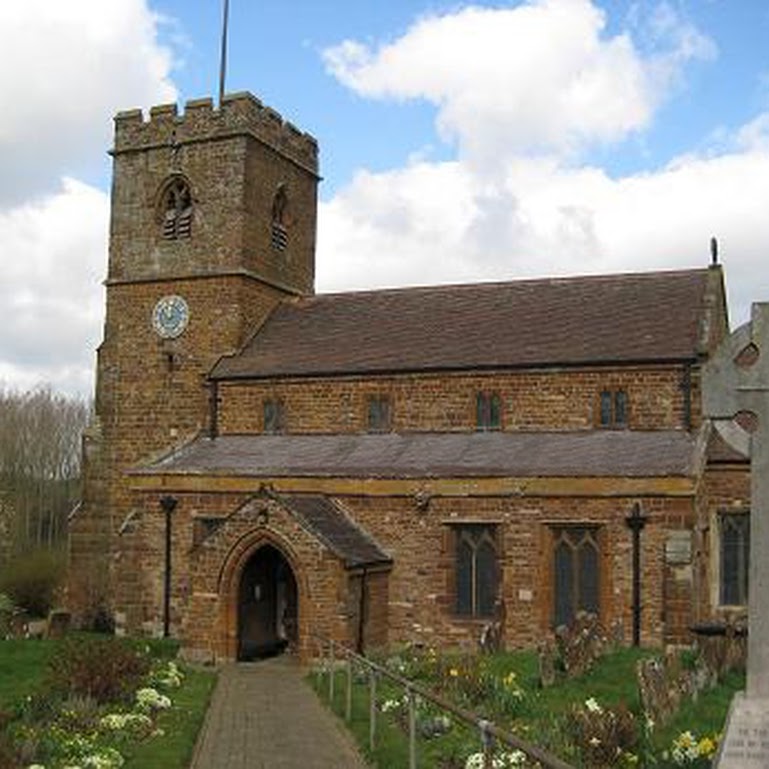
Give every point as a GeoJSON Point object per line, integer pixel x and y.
{"type": "Point", "coordinates": [40, 463]}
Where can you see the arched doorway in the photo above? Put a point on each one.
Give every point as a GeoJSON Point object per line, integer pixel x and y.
{"type": "Point", "coordinates": [267, 605]}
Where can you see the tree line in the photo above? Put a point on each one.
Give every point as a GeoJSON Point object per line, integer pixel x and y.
{"type": "Point", "coordinates": [40, 433]}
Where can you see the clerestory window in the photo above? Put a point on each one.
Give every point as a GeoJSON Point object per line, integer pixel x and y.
{"type": "Point", "coordinates": [378, 413]}
{"type": "Point", "coordinates": [488, 411]}
{"type": "Point", "coordinates": [613, 408]}
{"type": "Point", "coordinates": [273, 415]}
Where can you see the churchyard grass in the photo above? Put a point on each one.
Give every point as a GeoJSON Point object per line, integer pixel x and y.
{"type": "Point", "coordinates": [62, 701]}
{"type": "Point", "coordinates": [548, 718]}
{"type": "Point", "coordinates": [22, 667]}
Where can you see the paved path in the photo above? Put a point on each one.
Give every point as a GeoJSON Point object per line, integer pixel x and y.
{"type": "Point", "coordinates": [263, 715]}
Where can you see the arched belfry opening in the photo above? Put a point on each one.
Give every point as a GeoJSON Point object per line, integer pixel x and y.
{"type": "Point", "coordinates": [267, 605]}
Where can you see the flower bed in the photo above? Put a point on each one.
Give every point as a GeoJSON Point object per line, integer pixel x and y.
{"type": "Point", "coordinates": [101, 701]}
{"type": "Point", "coordinates": [595, 720]}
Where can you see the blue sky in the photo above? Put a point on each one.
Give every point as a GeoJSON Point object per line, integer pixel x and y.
{"type": "Point", "coordinates": [459, 142]}
{"type": "Point", "coordinates": [276, 51]}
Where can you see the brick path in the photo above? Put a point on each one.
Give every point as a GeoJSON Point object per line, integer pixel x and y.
{"type": "Point", "coordinates": [263, 715]}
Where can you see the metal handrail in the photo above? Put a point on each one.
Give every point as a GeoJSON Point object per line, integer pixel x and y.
{"type": "Point", "coordinates": [489, 732]}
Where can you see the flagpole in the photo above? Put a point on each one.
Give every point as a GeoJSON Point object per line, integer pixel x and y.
{"type": "Point", "coordinates": [223, 63]}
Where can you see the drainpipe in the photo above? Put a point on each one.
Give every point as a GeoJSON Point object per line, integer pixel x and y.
{"type": "Point", "coordinates": [686, 387]}
{"type": "Point", "coordinates": [361, 612]}
{"type": "Point", "coordinates": [213, 409]}
{"type": "Point", "coordinates": [635, 523]}
{"type": "Point", "coordinates": [168, 505]}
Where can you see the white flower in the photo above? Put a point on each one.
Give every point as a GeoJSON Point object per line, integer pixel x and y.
{"type": "Point", "coordinates": [593, 706]}
{"type": "Point", "coordinates": [119, 721]}
{"type": "Point", "coordinates": [150, 699]}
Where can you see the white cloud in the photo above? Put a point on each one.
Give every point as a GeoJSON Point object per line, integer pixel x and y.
{"type": "Point", "coordinates": [65, 69]}
{"type": "Point", "coordinates": [523, 89]}
{"type": "Point", "coordinates": [542, 76]}
{"type": "Point", "coordinates": [442, 223]}
{"type": "Point", "coordinates": [50, 287]}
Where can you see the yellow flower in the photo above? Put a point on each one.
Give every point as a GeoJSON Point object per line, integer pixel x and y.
{"type": "Point", "coordinates": [453, 672]}
{"type": "Point", "coordinates": [706, 747]}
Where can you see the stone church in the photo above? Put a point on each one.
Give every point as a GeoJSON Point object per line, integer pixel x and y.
{"type": "Point", "coordinates": [390, 466]}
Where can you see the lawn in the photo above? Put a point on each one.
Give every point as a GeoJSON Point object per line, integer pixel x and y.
{"type": "Point", "coordinates": [79, 700]}
{"type": "Point", "coordinates": [600, 706]}
{"type": "Point", "coordinates": [22, 668]}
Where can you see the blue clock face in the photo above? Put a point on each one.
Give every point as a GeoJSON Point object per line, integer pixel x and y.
{"type": "Point", "coordinates": [170, 316]}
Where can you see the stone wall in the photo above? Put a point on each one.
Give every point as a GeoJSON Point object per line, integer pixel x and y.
{"type": "Point", "coordinates": [558, 399]}
{"type": "Point", "coordinates": [415, 601]}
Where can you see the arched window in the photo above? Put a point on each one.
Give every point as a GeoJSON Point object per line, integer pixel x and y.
{"type": "Point", "coordinates": [477, 570]}
{"type": "Point", "coordinates": [280, 219]}
{"type": "Point", "coordinates": [576, 572]}
{"type": "Point", "coordinates": [175, 209]}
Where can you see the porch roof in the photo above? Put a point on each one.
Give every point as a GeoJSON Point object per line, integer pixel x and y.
{"type": "Point", "coordinates": [326, 519]}
{"type": "Point", "coordinates": [594, 453]}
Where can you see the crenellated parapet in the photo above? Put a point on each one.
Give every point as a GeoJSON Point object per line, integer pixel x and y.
{"type": "Point", "coordinates": [239, 114]}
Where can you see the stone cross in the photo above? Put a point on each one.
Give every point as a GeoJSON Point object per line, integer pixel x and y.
{"type": "Point", "coordinates": [735, 383]}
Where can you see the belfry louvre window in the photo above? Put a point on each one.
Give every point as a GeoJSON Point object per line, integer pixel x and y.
{"type": "Point", "coordinates": [273, 415]}
{"type": "Point", "coordinates": [613, 408]}
{"type": "Point", "coordinates": [488, 411]}
{"type": "Point", "coordinates": [576, 572]}
{"type": "Point", "coordinates": [477, 570]}
{"type": "Point", "coordinates": [176, 204]}
{"type": "Point", "coordinates": [378, 413]}
{"type": "Point", "coordinates": [735, 552]}
{"type": "Point", "coordinates": [279, 230]}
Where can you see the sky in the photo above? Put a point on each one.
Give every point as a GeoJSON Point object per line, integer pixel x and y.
{"type": "Point", "coordinates": [459, 142]}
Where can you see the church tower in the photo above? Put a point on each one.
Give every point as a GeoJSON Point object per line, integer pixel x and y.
{"type": "Point", "coordinates": [212, 223]}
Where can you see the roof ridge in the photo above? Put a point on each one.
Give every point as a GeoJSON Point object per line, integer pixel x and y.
{"type": "Point", "coordinates": [553, 279]}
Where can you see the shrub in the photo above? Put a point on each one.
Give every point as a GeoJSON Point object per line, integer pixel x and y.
{"type": "Point", "coordinates": [6, 612]}
{"type": "Point", "coordinates": [107, 669]}
{"type": "Point", "coordinates": [31, 580]}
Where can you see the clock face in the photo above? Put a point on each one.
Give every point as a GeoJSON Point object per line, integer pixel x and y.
{"type": "Point", "coordinates": [170, 316]}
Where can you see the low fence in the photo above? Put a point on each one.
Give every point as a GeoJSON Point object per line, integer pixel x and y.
{"type": "Point", "coordinates": [332, 653]}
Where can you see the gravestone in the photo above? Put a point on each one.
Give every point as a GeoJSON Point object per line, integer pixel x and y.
{"type": "Point", "coordinates": [735, 383]}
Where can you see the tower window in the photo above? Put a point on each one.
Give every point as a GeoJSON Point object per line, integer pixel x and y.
{"type": "Point", "coordinates": [176, 210]}
{"type": "Point", "coordinates": [735, 558]}
{"type": "Point", "coordinates": [378, 413]}
{"type": "Point", "coordinates": [488, 411]}
{"type": "Point", "coordinates": [613, 408]}
{"type": "Point", "coordinates": [279, 233]}
{"type": "Point", "coordinates": [273, 415]}
{"type": "Point", "coordinates": [477, 570]}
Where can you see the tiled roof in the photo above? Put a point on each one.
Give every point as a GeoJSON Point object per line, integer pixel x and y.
{"type": "Point", "coordinates": [610, 453]}
{"type": "Point", "coordinates": [633, 318]}
{"type": "Point", "coordinates": [328, 521]}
